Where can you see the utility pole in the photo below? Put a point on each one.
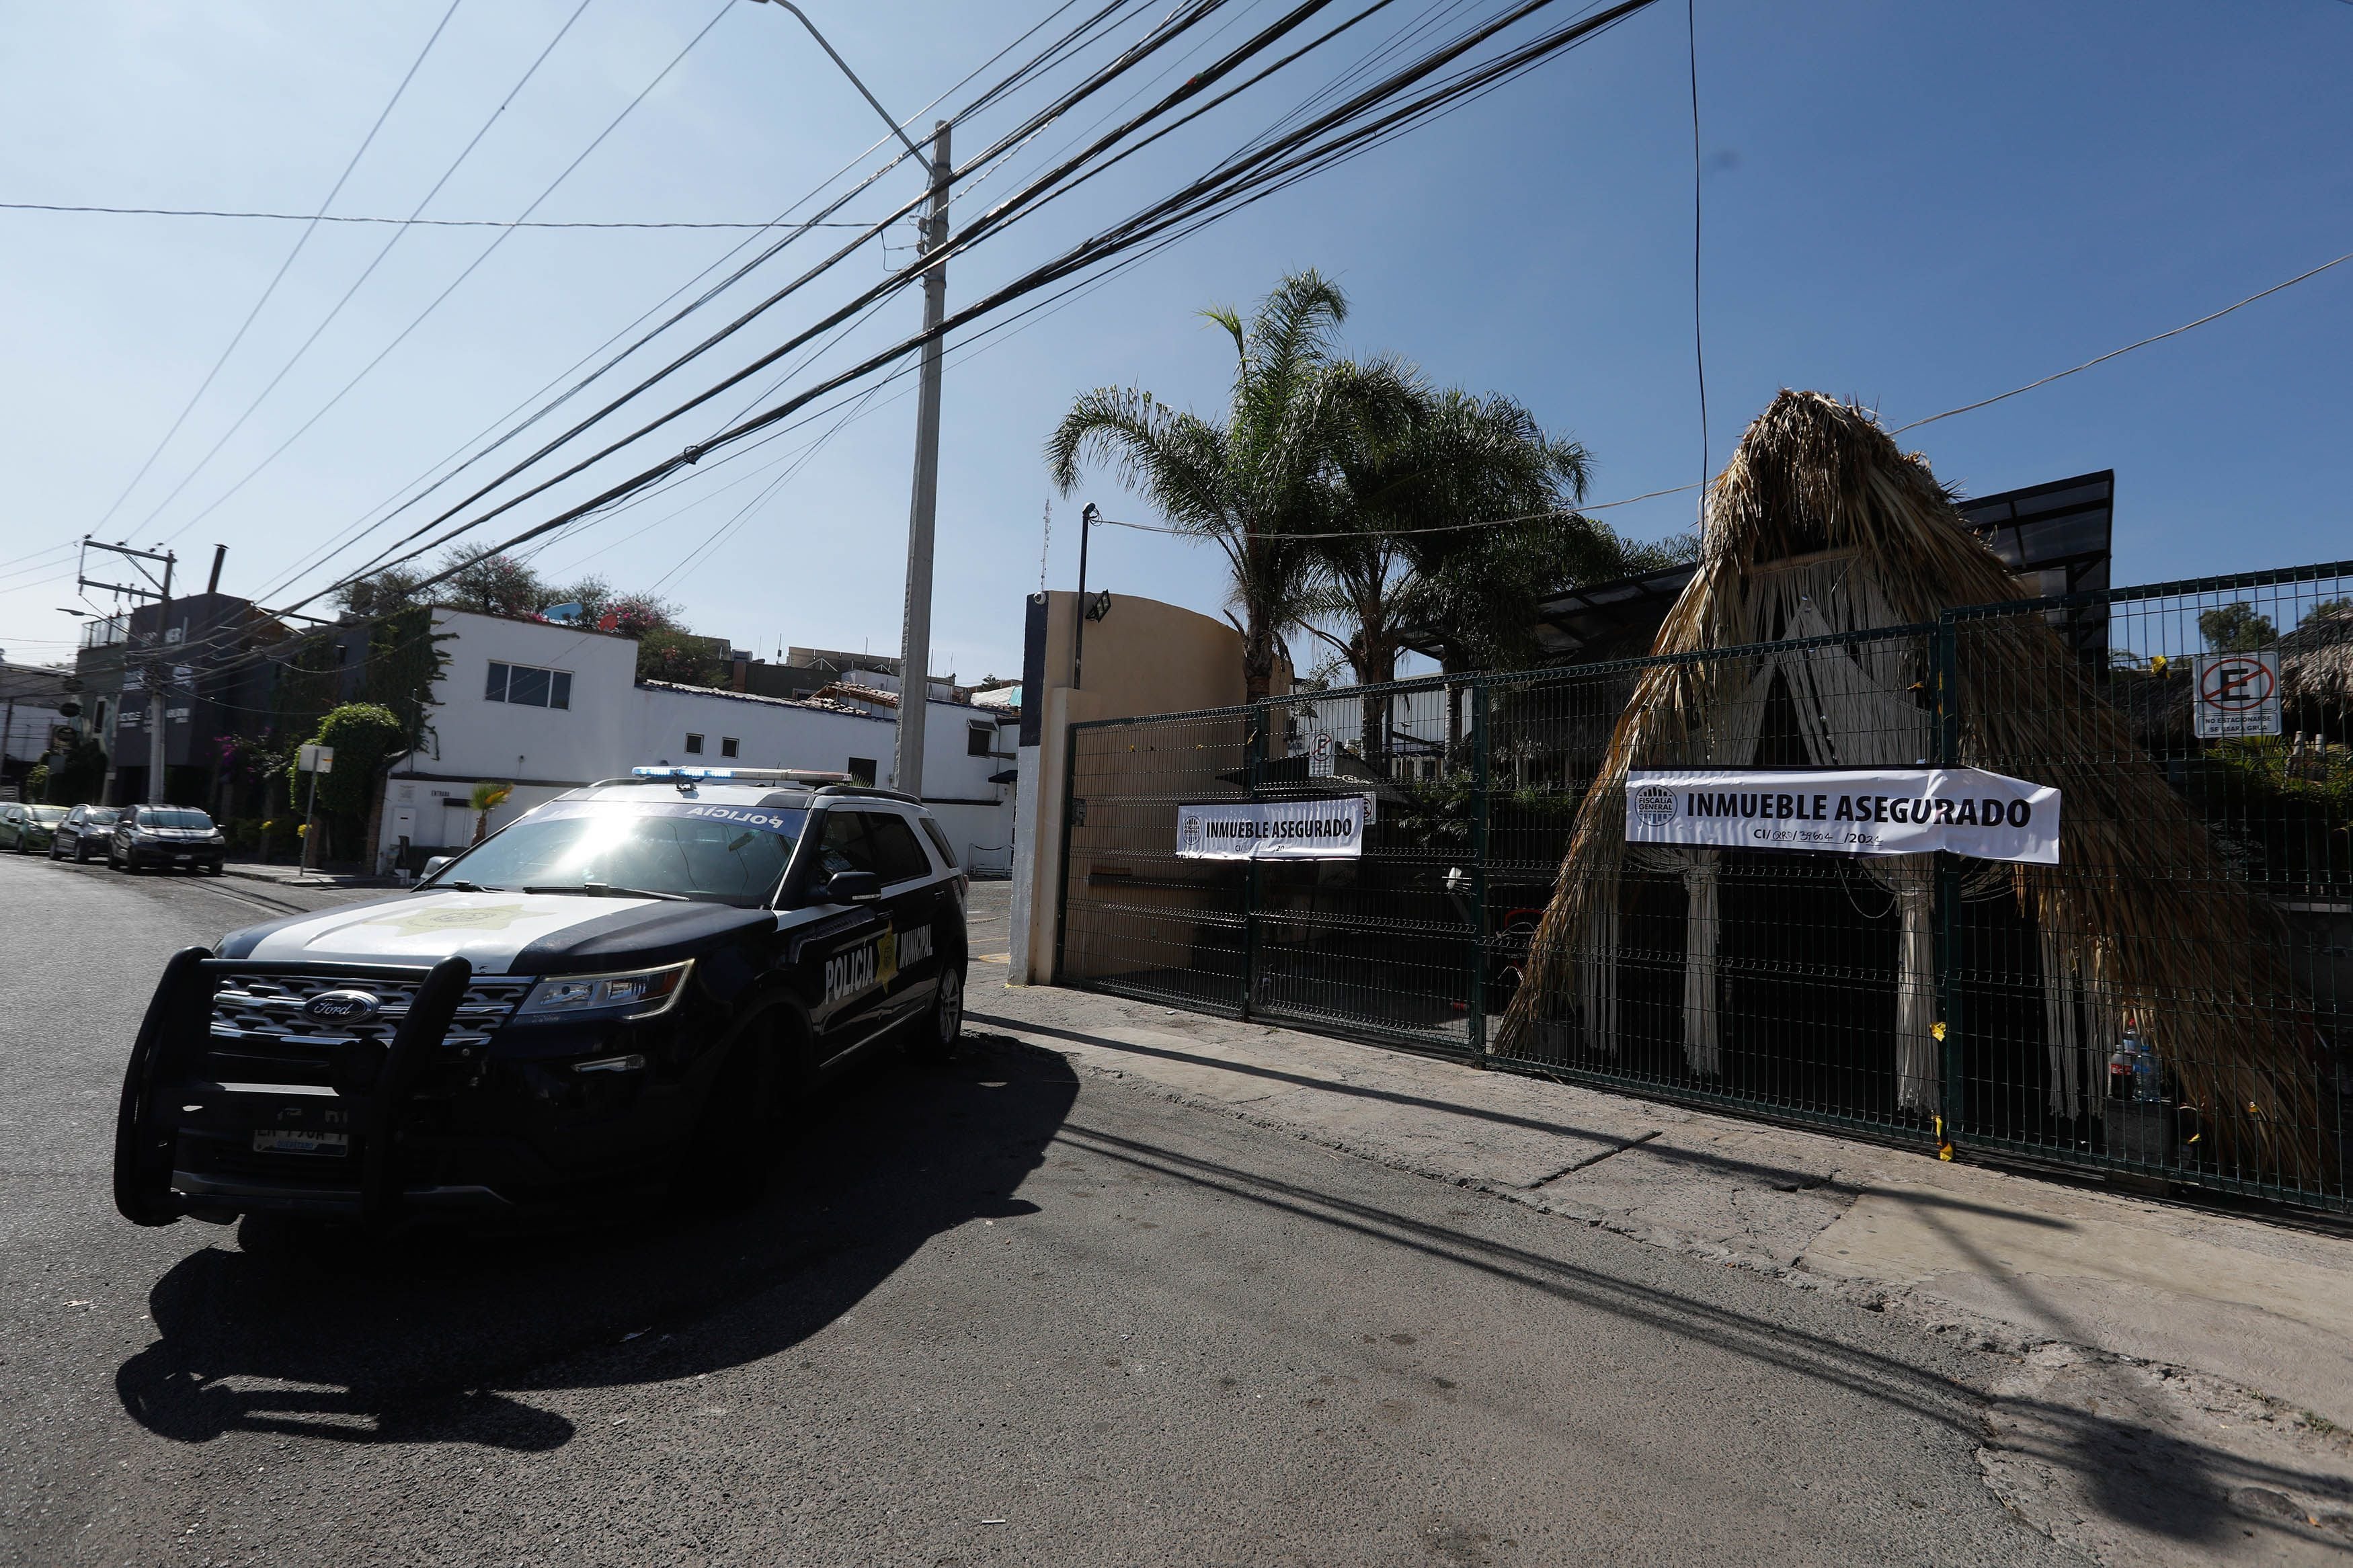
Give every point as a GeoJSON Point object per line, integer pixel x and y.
{"type": "Point", "coordinates": [1079, 610]}
{"type": "Point", "coordinates": [158, 668]}
{"type": "Point", "coordinates": [915, 639]}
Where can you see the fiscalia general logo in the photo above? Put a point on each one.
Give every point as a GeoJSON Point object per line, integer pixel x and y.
{"type": "Point", "coordinates": [1654, 803]}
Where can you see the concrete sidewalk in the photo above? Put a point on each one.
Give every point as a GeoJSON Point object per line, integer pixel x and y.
{"type": "Point", "coordinates": [2232, 1335]}
{"type": "Point", "coordinates": [279, 872]}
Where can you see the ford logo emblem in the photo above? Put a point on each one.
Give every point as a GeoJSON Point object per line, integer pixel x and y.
{"type": "Point", "coordinates": [340, 1006]}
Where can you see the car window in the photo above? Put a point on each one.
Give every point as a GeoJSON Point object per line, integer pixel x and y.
{"type": "Point", "coordinates": [174, 816]}
{"type": "Point", "coordinates": [939, 841]}
{"type": "Point", "coordinates": [46, 813]}
{"type": "Point", "coordinates": [725, 854]}
{"type": "Point", "coordinates": [845, 847]}
{"type": "Point", "coordinates": [897, 855]}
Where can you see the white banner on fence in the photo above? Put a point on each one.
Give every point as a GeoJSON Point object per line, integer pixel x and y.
{"type": "Point", "coordinates": [1847, 811]}
{"type": "Point", "coordinates": [1328, 829]}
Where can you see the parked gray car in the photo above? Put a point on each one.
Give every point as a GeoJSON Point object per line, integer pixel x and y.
{"type": "Point", "coordinates": [83, 833]}
{"type": "Point", "coordinates": [25, 828]}
{"type": "Point", "coordinates": [167, 838]}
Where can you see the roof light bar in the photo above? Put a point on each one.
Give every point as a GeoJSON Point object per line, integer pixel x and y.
{"type": "Point", "coordinates": [746, 775]}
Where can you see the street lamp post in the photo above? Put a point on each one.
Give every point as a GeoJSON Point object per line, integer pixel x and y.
{"type": "Point", "coordinates": [915, 630]}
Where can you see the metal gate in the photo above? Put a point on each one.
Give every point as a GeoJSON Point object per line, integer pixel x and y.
{"type": "Point", "coordinates": [2172, 1001]}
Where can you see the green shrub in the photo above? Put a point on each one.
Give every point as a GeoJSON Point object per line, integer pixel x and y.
{"type": "Point", "coordinates": [362, 734]}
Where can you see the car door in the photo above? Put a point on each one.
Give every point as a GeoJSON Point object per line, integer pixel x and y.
{"type": "Point", "coordinates": [852, 963]}
{"type": "Point", "coordinates": [12, 832]}
{"type": "Point", "coordinates": [911, 893]}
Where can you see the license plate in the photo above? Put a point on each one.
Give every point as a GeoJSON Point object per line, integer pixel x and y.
{"type": "Point", "coordinates": [300, 1140]}
{"type": "Point", "coordinates": [184, 860]}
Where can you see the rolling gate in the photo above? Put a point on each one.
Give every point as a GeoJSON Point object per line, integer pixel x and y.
{"type": "Point", "coordinates": [1929, 1002]}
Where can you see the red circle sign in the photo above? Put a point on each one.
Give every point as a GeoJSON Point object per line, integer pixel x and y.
{"type": "Point", "coordinates": [2236, 684]}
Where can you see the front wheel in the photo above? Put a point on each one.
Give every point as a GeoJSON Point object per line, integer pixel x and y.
{"type": "Point", "coordinates": [944, 1024]}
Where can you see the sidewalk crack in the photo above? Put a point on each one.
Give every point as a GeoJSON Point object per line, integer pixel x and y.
{"type": "Point", "coordinates": [1596, 1159]}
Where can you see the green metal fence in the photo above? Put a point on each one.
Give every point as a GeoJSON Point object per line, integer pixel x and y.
{"type": "Point", "coordinates": [2171, 1000]}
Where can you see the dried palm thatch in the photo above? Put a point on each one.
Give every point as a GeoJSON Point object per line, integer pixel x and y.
{"type": "Point", "coordinates": [1820, 524]}
{"type": "Point", "coordinates": [2316, 658]}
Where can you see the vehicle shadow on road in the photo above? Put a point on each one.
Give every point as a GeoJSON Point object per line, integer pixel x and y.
{"type": "Point", "coordinates": [440, 1337]}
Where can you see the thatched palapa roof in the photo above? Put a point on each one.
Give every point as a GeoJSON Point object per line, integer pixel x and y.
{"type": "Point", "coordinates": [1819, 523]}
{"type": "Point", "coordinates": [2316, 658]}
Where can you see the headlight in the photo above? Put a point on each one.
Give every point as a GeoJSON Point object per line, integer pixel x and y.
{"type": "Point", "coordinates": [636, 993]}
{"type": "Point", "coordinates": [218, 836]}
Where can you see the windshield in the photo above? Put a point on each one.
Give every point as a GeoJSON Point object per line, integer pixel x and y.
{"type": "Point", "coordinates": [100, 815]}
{"type": "Point", "coordinates": [167, 816]}
{"type": "Point", "coordinates": [725, 854]}
{"type": "Point", "coordinates": [47, 813]}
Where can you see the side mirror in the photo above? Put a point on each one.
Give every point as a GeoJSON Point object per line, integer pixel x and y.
{"type": "Point", "coordinates": [433, 866]}
{"type": "Point", "coordinates": [854, 887]}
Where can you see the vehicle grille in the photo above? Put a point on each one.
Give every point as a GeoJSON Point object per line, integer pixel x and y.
{"type": "Point", "coordinates": [260, 1034]}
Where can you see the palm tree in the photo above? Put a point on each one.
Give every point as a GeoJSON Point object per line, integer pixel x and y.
{"type": "Point", "coordinates": [1257, 484]}
{"type": "Point", "coordinates": [1454, 526]}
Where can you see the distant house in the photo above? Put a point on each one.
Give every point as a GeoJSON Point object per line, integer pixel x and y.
{"type": "Point", "coordinates": [549, 707]}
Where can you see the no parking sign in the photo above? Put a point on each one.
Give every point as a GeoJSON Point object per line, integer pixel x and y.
{"type": "Point", "coordinates": [2238, 694]}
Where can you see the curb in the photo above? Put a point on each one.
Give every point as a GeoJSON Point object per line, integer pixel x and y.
{"type": "Point", "coordinates": [317, 879]}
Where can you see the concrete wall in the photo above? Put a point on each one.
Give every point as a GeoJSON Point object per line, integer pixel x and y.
{"type": "Point", "coordinates": [1145, 657]}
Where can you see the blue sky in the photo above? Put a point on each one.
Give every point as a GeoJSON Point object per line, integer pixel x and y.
{"type": "Point", "coordinates": [1913, 205]}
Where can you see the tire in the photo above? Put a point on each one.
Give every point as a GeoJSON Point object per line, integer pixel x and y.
{"type": "Point", "coordinates": [942, 1024]}
{"type": "Point", "coordinates": [82, 853]}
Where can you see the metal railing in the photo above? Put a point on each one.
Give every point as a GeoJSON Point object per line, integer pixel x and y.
{"type": "Point", "coordinates": [2171, 1000]}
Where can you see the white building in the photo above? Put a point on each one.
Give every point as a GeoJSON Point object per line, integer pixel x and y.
{"type": "Point", "coordinates": [549, 708]}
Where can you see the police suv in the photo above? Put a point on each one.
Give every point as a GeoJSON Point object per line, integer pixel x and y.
{"type": "Point", "coordinates": [624, 989]}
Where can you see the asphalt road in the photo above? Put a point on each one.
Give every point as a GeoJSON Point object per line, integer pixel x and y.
{"type": "Point", "coordinates": [994, 1313]}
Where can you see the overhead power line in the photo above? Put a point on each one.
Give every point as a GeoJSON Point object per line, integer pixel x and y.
{"type": "Point", "coordinates": [279, 275]}
{"type": "Point", "coordinates": [1238, 182]}
{"type": "Point", "coordinates": [1699, 341]}
{"type": "Point", "coordinates": [425, 484]}
{"type": "Point", "coordinates": [337, 309]}
{"type": "Point", "coordinates": [378, 517]}
{"type": "Point", "coordinates": [899, 280]}
{"type": "Point", "coordinates": [400, 221]}
{"type": "Point", "coordinates": [2112, 353]}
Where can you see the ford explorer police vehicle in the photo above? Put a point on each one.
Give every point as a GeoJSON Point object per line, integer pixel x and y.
{"type": "Point", "coordinates": [624, 991]}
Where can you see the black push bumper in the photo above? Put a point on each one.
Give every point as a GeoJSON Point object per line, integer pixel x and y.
{"type": "Point", "coordinates": [166, 1068]}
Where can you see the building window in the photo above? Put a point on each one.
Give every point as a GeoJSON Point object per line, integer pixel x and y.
{"type": "Point", "coordinates": [529, 684]}
{"type": "Point", "coordinates": [729, 745]}
{"type": "Point", "coordinates": [979, 740]}
{"type": "Point", "coordinates": [694, 745]}
{"type": "Point", "coordinates": [862, 770]}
